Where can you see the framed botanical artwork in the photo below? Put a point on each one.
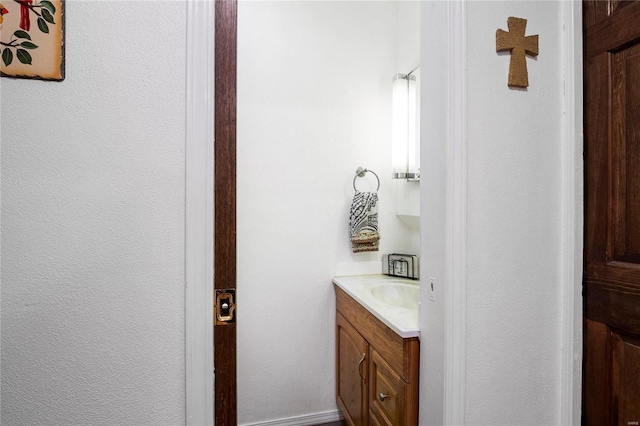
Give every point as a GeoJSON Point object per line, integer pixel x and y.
{"type": "Point", "coordinates": [32, 39]}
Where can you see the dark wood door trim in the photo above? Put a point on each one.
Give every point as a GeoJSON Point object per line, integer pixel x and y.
{"type": "Point", "coordinates": [224, 268]}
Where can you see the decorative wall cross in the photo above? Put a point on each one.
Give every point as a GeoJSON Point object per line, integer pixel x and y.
{"type": "Point", "coordinates": [516, 42]}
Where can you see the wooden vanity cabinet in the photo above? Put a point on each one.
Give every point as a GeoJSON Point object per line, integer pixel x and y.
{"type": "Point", "coordinates": [376, 369]}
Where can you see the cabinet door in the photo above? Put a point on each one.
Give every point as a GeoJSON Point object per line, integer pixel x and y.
{"type": "Point", "coordinates": [351, 370]}
{"type": "Point", "coordinates": [387, 397]}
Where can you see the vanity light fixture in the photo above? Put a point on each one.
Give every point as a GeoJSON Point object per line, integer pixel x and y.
{"type": "Point", "coordinates": [405, 112]}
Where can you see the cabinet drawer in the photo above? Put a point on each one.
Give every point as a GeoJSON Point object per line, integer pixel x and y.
{"type": "Point", "coordinates": [387, 393]}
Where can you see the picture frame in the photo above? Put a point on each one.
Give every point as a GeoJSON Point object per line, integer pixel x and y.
{"type": "Point", "coordinates": [32, 39]}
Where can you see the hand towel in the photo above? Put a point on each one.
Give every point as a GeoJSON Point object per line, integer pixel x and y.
{"type": "Point", "coordinates": [363, 222]}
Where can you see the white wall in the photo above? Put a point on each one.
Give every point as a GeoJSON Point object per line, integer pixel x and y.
{"type": "Point", "coordinates": [514, 141]}
{"type": "Point", "coordinates": [93, 224]}
{"type": "Point", "coordinates": [314, 99]}
{"type": "Point", "coordinates": [514, 221]}
{"type": "Point", "coordinates": [433, 203]}
{"type": "Point", "coordinates": [407, 60]}
{"type": "Point", "coordinates": [93, 211]}
{"type": "Point", "coordinates": [408, 35]}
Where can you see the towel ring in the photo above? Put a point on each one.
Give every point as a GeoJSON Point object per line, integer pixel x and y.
{"type": "Point", "coordinates": [360, 172]}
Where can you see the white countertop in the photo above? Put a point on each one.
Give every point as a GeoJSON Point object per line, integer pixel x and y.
{"type": "Point", "coordinates": [403, 321]}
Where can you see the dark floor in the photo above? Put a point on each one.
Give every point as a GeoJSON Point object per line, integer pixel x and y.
{"type": "Point", "coordinates": [339, 423]}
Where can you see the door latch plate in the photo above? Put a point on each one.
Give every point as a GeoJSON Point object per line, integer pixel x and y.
{"type": "Point", "coordinates": [225, 307]}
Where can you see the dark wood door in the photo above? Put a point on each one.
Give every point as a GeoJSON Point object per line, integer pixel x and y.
{"type": "Point", "coordinates": [224, 247]}
{"type": "Point", "coordinates": [611, 286]}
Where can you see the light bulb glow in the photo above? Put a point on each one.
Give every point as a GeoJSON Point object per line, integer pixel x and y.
{"type": "Point", "coordinates": [400, 125]}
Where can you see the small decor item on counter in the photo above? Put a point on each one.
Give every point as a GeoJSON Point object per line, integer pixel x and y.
{"type": "Point", "coordinates": [401, 265]}
{"type": "Point", "coordinates": [363, 218]}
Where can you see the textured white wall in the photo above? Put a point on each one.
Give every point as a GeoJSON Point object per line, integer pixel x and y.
{"type": "Point", "coordinates": [514, 221]}
{"type": "Point", "coordinates": [93, 224]}
{"type": "Point", "coordinates": [514, 214]}
{"type": "Point", "coordinates": [314, 98]}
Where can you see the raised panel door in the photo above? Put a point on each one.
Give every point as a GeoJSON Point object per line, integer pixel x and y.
{"type": "Point", "coordinates": [611, 284]}
{"type": "Point", "coordinates": [351, 369]}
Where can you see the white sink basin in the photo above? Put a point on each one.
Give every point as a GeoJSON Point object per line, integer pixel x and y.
{"type": "Point", "coordinates": [396, 293]}
{"type": "Point", "coordinates": [394, 301]}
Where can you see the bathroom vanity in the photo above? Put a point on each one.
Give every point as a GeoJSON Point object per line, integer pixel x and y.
{"type": "Point", "coordinates": [377, 350]}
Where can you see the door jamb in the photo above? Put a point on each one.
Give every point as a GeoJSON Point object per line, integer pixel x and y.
{"type": "Point", "coordinates": [455, 391]}
{"type": "Point", "coordinates": [199, 214]}
{"type": "Point", "coordinates": [199, 376]}
{"type": "Point", "coordinates": [573, 217]}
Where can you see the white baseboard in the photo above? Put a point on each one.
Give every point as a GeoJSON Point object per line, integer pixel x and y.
{"type": "Point", "coordinates": [307, 420]}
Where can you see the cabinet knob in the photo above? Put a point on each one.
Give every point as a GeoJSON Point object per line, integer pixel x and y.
{"type": "Point", "coordinates": [382, 396]}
